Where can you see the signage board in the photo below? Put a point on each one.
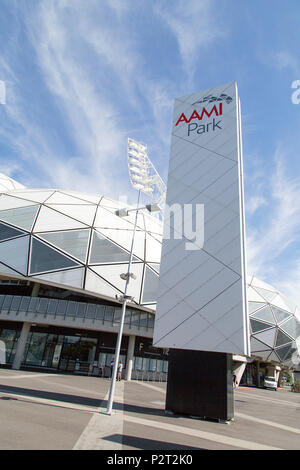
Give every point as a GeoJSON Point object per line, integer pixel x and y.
{"type": "Point", "coordinates": [202, 301]}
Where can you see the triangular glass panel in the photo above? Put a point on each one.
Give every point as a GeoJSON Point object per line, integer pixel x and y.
{"type": "Point", "coordinates": [280, 315]}
{"type": "Point", "coordinates": [44, 258]}
{"type": "Point", "coordinates": [123, 238]}
{"type": "Point", "coordinates": [282, 339]}
{"type": "Point", "coordinates": [153, 250]}
{"type": "Point", "coordinates": [289, 303]}
{"type": "Point", "coordinates": [11, 202]}
{"type": "Point", "coordinates": [278, 302]}
{"type": "Point", "coordinates": [267, 294]}
{"type": "Point", "coordinates": [86, 197]}
{"type": "Point", "coordinates": [293, 350]}
{"type": "Point", "coordinates": [107, 219]}
{"type": "Point", "coordinates": [273, 357]}
{"type": "Point", "coordinates": [283, 352]}
{"type": "Point", "coordinates": [267, 337]}
{"type": "Point", "coordinates": [156, 236]}
{"type": "Point", "coordinates": [49, 219]}
{"type": "Point", "coordinates": [94, 283]}
{"type": "Point", "coordinates": [263, 354]}
{"type": "Point", "coordinates": [258, 325]}
{"type": "Point", "coordinates": [153, 224]}
{"type": "Point", "coordinates": [84, 213]}
{"type": "Point", "coordinates": [73, 242]}
{"type": "Point", "coordinates": [69, 277]}
{"type": "Point", "coordinates": [257, 346]}
{"type": "Point", "coordinates": [253, 295]}
{"type": "Point", "coordinates": [253, 306]}
{"type": "Point", "coordinates": [7, 232]}
{"type": "Point", "coordinates": [110, 203]}
{"type": "Point", "coordinates": [62, 198]}
{"type": "Point", "coordinates": [156, 267]}
{"type": "Point", "coordinates": [290, 327]}
{"type": "Point", "coordinates": [104, 251]}
{"type": "Point", "coordinates": [22, 217]}
{"type": "Point", "coordinates": [14, 253]}
{"type": "Point", "coordinates": [6, 270]}
{"type": "Point", "coordinates": [111, 273]}
{"type": "Point", "coordinates": [150, 290]}
{"type": "Point", "coordinates": [36, 195]}
{"type": "Point", "coordinates": [255, 282]}
{"type": "Point", "coordinates": [264, 314]}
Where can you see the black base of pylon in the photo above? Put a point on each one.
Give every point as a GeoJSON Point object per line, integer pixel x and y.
{"type": "Point", "coordinates": [200, 384]}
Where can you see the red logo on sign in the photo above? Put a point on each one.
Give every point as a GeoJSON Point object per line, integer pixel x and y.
{"type": "Point", "coordinates": [196, 115]}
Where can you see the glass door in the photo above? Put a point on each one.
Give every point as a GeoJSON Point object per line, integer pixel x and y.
{"type": "Point", "coordinates": [69, 356]}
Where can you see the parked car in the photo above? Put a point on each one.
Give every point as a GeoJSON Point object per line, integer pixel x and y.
{"type": "Point", "coordinates": [270, 382]}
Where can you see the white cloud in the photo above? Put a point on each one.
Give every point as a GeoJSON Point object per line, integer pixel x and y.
{"type": "Point", "coordinates": [103, 87]}
{"type": "Point", "coordinates": [194, 25]}
{"type": "Point", "coordinates": [270, 238]}
{"type": "Point", "coordinates": [91, 115]}
{"type": "Point", "coordinates": [254, 203]}
{"type": "Point", "coordinates": [87, 99]}
{"type": "Point", "coordinates": [289, 283]}
{"type": "Point", "coordinates": [285, 59]}
{"type": "Point", "coordinates": [92, 118]}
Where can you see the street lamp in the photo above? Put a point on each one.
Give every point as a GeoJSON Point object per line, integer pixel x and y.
{"type": "Point", "coordinates": [124, 299]}
{"type": "Point", "coordinates": [140, 179]}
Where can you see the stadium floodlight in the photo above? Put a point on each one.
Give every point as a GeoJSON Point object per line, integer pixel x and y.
{"type": "Point", "coordinates": [125, 212]}
{"type": "Point", "coordinates": [125, 276]}
{"type": "Point", "coordinates": [121, 298]}
{"type": "Point", "coordinates": [122, 212]}
{"type": "Point", "coordinates": [152, 207]}
{"type": "Point", "coordinates": [142, 173]}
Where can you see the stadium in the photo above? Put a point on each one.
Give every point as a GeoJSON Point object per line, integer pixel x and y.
{"type": "Point", "coordinates": [61, 256]}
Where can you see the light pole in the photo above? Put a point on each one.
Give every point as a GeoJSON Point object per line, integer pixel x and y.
{"type": "Point", "coordinates": [120, 333]}
{"type": "Point", "coordinates": [145, 178]}
{"type": "Point", "coordinates": [125, 298]}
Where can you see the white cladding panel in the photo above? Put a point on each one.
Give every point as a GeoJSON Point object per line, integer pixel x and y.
{"type": "Point", "coordinates": [202, 292]}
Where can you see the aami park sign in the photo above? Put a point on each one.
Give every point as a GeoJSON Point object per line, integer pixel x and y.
{"type": "Point", "coordinates": [202, 301]}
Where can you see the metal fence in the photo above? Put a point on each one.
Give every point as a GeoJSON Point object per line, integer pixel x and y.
{"type": "Point", "coordinates": [69, 309]}
{"type": "Point", "coordinates": [149, 376]}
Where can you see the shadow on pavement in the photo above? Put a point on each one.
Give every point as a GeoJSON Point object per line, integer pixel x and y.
{"type": "Point", "coordinates": [146, 444]}
{"type": "Point", "coordinates": [83, 401]}
{"type": "Point", "coordinates": [64, 398]}
{"type": "Point", "coordinates": [79, 400]}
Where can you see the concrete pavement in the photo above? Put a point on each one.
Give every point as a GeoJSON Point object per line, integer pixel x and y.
{"type": "Point", "coordinates": [55, 411]}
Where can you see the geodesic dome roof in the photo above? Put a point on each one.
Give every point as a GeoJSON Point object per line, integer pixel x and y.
{"type": "Point", "coordinates": [75, 239]}
{"type": "Point", "coordinates": [9, 184]}
{"type": "Point", "coordinates": [275, 322]}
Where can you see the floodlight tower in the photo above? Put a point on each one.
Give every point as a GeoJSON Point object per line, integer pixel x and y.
{"type": "Point", "coordinates": [143, 174]}
{"type": "Point", "coordinates": [144, 178]}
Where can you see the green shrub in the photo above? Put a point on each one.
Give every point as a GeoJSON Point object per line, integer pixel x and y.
{"type": "Point", "coordinates": [289, 379]}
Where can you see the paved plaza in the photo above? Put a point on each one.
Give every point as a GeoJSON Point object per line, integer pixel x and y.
{"type": "Point", "coordinates": [41, 411]}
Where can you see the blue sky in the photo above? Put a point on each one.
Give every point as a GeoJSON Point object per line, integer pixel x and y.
{"type": "Point", "coordinates": [82, 76]}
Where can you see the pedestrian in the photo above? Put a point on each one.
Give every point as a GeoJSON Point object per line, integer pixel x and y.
{"type": "Point", "coordinates": [234, 381]}
{"type": "Point", "coordinates": [120, 368]}
{"type": "Point", "coordinates": [112, 366]}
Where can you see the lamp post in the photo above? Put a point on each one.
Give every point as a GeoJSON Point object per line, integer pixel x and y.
{"type": "Point", "coordinates": [125, 298]}
{"type": "Point", "coordinates": [139, 165]}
